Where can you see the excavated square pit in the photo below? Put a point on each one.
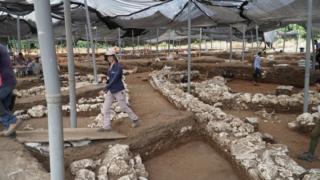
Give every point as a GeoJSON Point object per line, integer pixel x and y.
{"type": "Point", "coordinates": [194, 160]}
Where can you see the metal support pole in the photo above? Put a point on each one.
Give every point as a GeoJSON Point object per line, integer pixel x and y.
{"type": "Point", "coordinates": [251, 40]}
{"type": "Point", "coordinates": [119, 42]}
{"type": "Point", "coordinates": [243, 42]}
{"type": "Point", "coordinates": [284, 43]}
{"type": "Point", "coordinates": [297, 45]}
{"type": "Point", "coordinates": [205, 44]}
{"type": "Point", "coordinates": [157, 45]}
{"type": "Point", "coordinates": [72, 82]}
{"type": "Point", "coordinates": [88, 44]}
{"type": "Point", "coordinates": [132, 39]}
{"type": "Point", "coordinates": [189, 46]}
{"type": "Point", "coordinates": [200, 41]}
{"type": "Point", "coordinates": [230, 30]}
{"type": "Point", "coordinates": [52, 87]}
{"type": "Point", "coordinates": [173, 38]}
{"type": "Point", "coordinates": [257, 37]}
{"type": "Point", "coordinates": [18, 34]}
{"type": "Point", "coordinates": [91, 43]}
{"type": "Point", "coordinates": [307, 63]}
{"type": "Point", "coordinates": [138, 42]}
{"type": "Point", "coordinates": [211, 43]}
{"type": "Point", "coordinates": [313, 51]}
{"type": "Point", "coordinates": [169, 42]}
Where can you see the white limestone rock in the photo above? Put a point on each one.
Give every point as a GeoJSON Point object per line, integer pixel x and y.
{"type": "Point", "coordinates": [85, 174]}
{"type": "Point", "coordinates": [82, 164]}
{"type": "Point", "coordinates": [37, 111]}
{"type": "Point", "coordinates": [283, 100]}
{"type": "Point", "coordinates": [103, 173]}
{"type": "Point", "coordinates": [119, 167]}
{"type": "Point", "coordinates": [253, 121]}
{"type": "Point", "coordinates": [267, 171]}
{"type": "Point", "coordinates": [259, 99]}
{"type": "Point", "coordinates": [139, 167]}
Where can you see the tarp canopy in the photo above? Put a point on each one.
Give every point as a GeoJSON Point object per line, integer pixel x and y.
{"type": "Point", "coordinates": [144, 16]}
{"type": "Point", "coordinates": [9, 27]}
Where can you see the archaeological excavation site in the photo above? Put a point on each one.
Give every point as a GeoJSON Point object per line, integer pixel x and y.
{"type": "Point", "coordinates": [159, 90]}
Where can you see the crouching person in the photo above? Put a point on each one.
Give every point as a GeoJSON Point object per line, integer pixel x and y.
{"type": "Point", "coordinates": [115, 90]}
{"type": "Point", "coordinates": [8, 83]}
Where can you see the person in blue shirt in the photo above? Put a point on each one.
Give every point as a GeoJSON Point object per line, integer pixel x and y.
{"type": "Point", "coordinates": [8, 83]}
{"type": "Point", "coordinates": [257, 68]}
{"type": "Point", "coordinates": [115, 90]}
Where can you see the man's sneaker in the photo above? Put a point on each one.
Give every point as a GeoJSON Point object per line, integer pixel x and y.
{"type": "Point", "coordinates": [306, 157]}
{"type": "Point", "coordinates": [12, 128]}
{"type": "Point", "coordinates": [135, 123]}
{"type": "Point", "coordinates": [105, 129]}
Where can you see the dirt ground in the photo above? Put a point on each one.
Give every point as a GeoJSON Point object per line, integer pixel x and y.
{"type": "Point", "coordinates": [238, 85]}
{"type": "Point", "coordinates": [195, 160]}
{"type": "Point", "coordinates": [278, 128]}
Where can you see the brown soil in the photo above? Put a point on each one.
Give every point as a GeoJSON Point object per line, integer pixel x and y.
{"type": "Point", "coordinates": [195, 160]}
{"type": "Point", "coordinates": [238, 85]}
{"type": "Point", "coordinates": [296, 142]}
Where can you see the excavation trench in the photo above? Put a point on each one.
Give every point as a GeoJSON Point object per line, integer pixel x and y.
{"type": "Point", "coordinates": [178, 150]}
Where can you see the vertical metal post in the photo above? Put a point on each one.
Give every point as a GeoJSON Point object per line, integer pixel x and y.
{"type": "Point", "coordinates": [313, 51]}
{"type": "Point", "coordinates": [169, 41]}
{"type": "Point", "coordinates": [200, 41]}
{"type": "Point", "coordinates": [307, 63]}
{"type": "Point", "coordinates": [119, 42]}
{"type": "Point", "coordinates": [230, 30]}
{"type": "Point", "coordinates": [243, 41]}
{"type": "Point", "coordinates": [252, 40]}
{"type": "Point", "coordinates": [297, 41]}
{"type": "Point", "coordinates": [173, 38]}
{"type": "Point", "coordinates": [189, 46]}
{"type": "Point", "coordinates": [88, 44]}
{"type": "Point", "coordinates": [18, 34]}
{"type": "Point", "coordinates": [157, 45]}
{"type": "Point", "coordinates": [211, 43]}
{"type": "Point", "coordinates": [72, 83]}
{"type": "Point", "coordinates": [284, 43]}
{"type": "Point", "coordinates": [132, 39]}
{"type": "Point", "coordinates": [257, 36]}
{"type": "Point", "coordinates": [91, 43]}
{"type": "Point", "coordinates": [138, 42]}
{"type": "Point", "coordinates": [52, 87]}
{"type": "Point", "coordinates": [205, 43]}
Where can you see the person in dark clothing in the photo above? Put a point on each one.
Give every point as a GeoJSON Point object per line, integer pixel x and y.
{"type": "Point", "coordinates": [314, 136]}
{"type": "Point", "coordinates": [317, 52]}
{"type": "Point", "coordinates": [115, 90]}
{"type": "Point", "coordinates": [257, 68]}
{"type": "Point", "coordinates": [8, 83]}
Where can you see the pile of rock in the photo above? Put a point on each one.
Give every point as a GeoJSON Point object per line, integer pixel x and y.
{"type": "Point", "coordinates": [117, 164]}
{"type": "Point", "coordinates": [83, 105]}
{"type": "Point", "coordinates": [215, 90]}
{"type": "Point", "coordinates": [81, 81]}
{"type": "Point", "coordinates": [304, 122]}
{"type": "Point", "coordinates": [30, 92]}
{"type": "Point", "coordinates": [261, 160]}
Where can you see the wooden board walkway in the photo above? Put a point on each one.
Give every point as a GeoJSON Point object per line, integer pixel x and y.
{"type": "Point", "coordinates": [70, 134]}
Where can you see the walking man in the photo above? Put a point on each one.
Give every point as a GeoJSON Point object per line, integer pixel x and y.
{"type": "Point", "coordinates": [115, 90]}
{"type": "Point", "coordinates": [7, 84]}
{"type": "Point", "coordinates": [257, 68]}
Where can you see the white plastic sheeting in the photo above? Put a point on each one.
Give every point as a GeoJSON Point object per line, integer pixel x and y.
{"type": "Point", "coordinates": [172, 14]}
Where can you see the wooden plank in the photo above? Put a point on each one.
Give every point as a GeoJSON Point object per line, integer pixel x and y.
{"type": "Point", "coordinates": [70, 134]}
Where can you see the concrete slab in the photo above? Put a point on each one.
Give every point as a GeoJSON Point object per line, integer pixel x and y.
{"type": "Point", "coordinates": [70, 134]}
